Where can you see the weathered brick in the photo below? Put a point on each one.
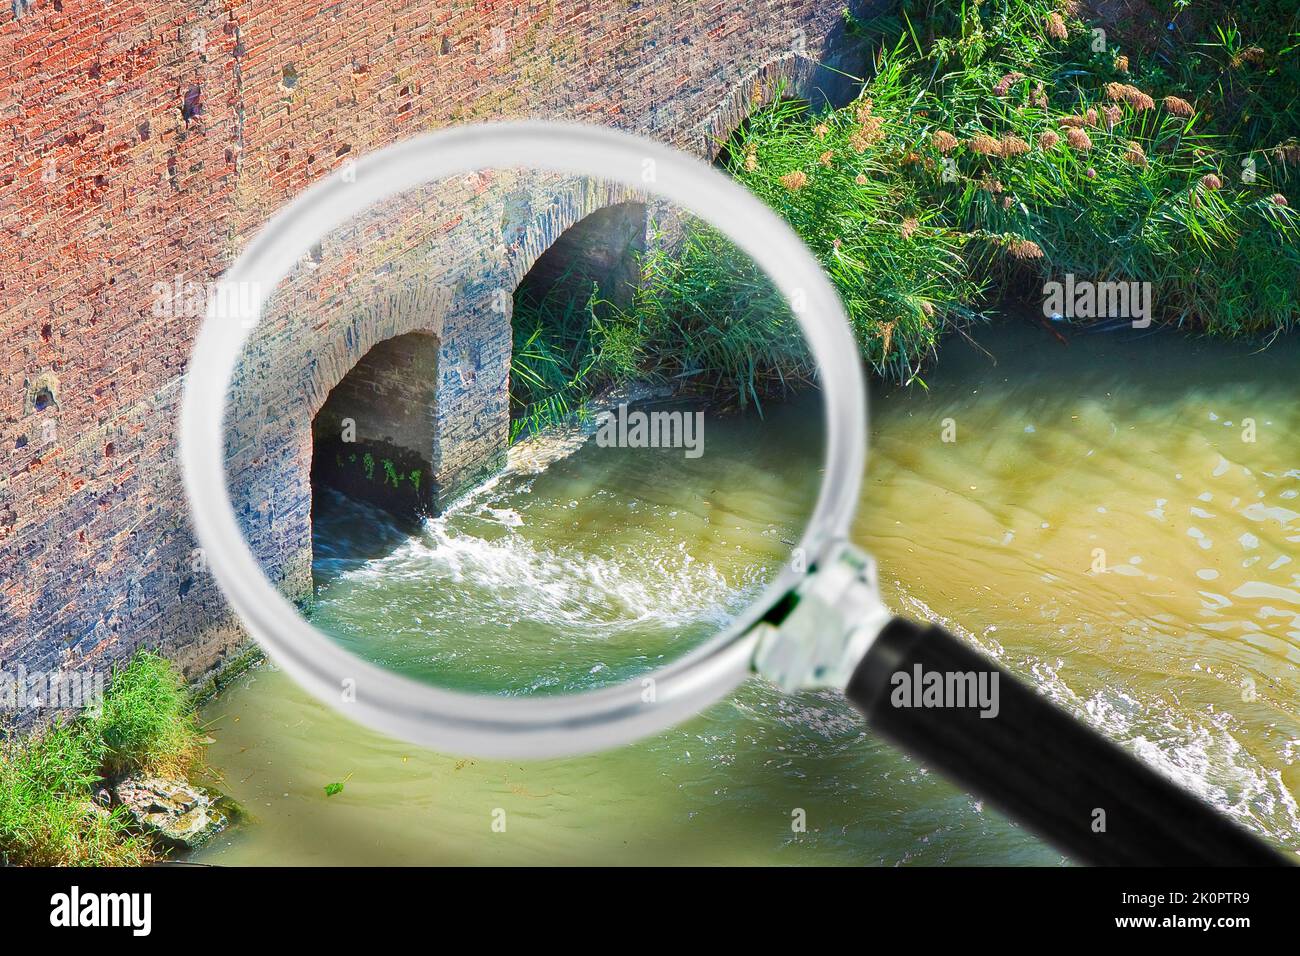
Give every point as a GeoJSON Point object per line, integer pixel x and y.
{"type": "Point", "coordinates": [138, 150]}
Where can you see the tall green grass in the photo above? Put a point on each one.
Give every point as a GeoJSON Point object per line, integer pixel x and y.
{"type": "Point", "coordinates": [899, 266]}
{"type": "Point", "coordinates": [146, 723]}
{"type": "Point", "coordinates": [46, 813]}
{"type": "Point", "coordinates": [703, 318]}
{"type": "Point", "coordinates": [1158, 196]}
{"type": "Point", "coordinates": [552, 366]}
{"type": "Point", "coordinates": [706, 318]}
{"type": "Point", "coordinates": [997, 145]}
{"type": "Point", "coordinates": [147, 720]}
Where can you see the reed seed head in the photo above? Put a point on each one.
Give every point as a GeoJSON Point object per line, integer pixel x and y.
{"type": "Point", "coordinates": [1126, 93]}
{"type": "Point", "coordinates": [1009, 80]}
{"type": "Point", "coordinates": [1010, 146]}
{"type": "Point", "coordinates": [943, 141]}
{"type": "Point", "coordinates": [1135, 155]}
{"type": "Point", "coordinates": [1024, 249]}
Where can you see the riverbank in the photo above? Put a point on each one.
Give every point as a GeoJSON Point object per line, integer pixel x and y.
{"type": "Point", "coordinates": [1143, 153]}
{"type": "Point", "coordinates": [108, 787]}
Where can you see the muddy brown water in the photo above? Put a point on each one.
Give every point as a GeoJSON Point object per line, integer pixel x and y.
{"type": "Point", "coordinates": [1117, 521]}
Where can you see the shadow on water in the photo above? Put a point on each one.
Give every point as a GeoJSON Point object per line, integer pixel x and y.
{"type": "Point", "coordinates": [347, 533]}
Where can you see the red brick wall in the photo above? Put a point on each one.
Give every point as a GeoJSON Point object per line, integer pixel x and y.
{"type": "Point", "coordinates": [145, 141]}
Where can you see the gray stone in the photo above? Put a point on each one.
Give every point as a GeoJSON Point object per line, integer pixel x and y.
{"type": "Point", "coordinates": [174, 813]}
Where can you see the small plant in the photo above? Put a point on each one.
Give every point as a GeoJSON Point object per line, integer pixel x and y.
{"type": "Point", "coordinates": [147, 720]}
{"type": "Point", "coordinates": [49, 815]}
{"type": "Point", "coordinates": [334, 789]}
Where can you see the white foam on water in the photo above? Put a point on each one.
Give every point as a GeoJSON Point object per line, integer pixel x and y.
{"type": "Point", "coordinates": [480, 548]}
{"type": "Point", "coordinates": [1261, 512]}
{"type": "Point", "coordinates": [1197, 750]}
{"type": "Point", "coordinates": [1262, 589]}
{"type": "Point", "coordinates": [582, 592]}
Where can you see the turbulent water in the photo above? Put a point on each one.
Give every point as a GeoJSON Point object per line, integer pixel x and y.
{"type": "Point", "coordinates": [1093, 515]}
{"type": "Point", "coordinates": [596, 569]}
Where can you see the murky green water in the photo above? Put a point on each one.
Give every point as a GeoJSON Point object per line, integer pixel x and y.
{"type": "Point", "coordinates": [1116, 453]}
{"type": "Point", "coordinates": [598, 568]}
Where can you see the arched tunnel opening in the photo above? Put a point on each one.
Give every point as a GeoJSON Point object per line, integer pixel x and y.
{"type": "Point", "coordinates": [593, 267]}
{"type": "Point", "coordinates": [376, 438]}
{"type": "Point", "coordinates": [601, 248]}
{"type": "Point", "coordinates": [373, 439]}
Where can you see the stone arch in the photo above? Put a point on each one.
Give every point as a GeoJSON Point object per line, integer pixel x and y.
{"type": "Point", "coordinates": [796, 74]}
{"type": "Point", "coordinates": [412, 304]}
{"type": "Point", "coordinates": [602, 247]}
{"type": "Point", "coordinates": [373, 436]}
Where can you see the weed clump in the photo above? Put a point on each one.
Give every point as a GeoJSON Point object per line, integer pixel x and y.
{"type": "Point", "coordinates": [49, 814]}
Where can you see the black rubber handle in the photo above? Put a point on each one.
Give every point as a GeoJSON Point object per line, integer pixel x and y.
{"type": "Point", "coordinates": [1043, 768]}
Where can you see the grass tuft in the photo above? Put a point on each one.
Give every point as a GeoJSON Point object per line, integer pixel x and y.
{"type": "Point", "coordinates": [147, 720]}
{"type": "Point", "coordinates": [48, 815]}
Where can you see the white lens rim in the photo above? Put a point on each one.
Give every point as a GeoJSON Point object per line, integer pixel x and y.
{"type": "Point", "coordinates": [481, 725]}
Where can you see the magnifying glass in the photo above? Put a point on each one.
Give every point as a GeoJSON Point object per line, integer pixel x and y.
{"type": "Point", "coordinates": [817, 622]}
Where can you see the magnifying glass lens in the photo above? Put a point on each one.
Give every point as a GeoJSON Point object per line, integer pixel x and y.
{"type": "Point", "coordinates": [523, 434]}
